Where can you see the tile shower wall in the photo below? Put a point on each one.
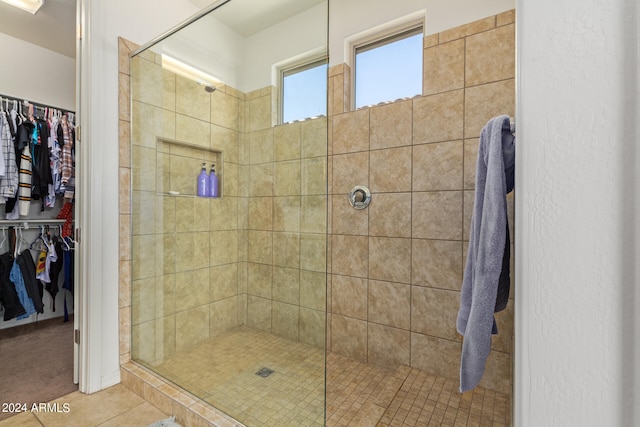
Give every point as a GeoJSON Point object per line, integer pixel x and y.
{"type": "Point", "coordinates": [200, 266]}
{"type": "Point", "coordinates": [286, 222]}
{"type": "Point", "coordinates": [396, 268]}
{"type": "Point", "coordinates": [184, 258]}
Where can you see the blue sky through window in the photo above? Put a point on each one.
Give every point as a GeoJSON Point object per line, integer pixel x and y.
{"type": "Point", "coordinates": [305, 94]}
{"type": "Point", "coordinates": [389, 71]}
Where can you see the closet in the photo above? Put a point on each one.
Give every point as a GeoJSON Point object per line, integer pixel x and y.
{"type": "Point", "coordinates": [37, 248]}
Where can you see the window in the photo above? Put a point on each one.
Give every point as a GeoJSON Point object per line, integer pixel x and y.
{"type": "Point", "coordinates": [389, 68]}
{"type": "Point", "coordinates": [304, 91]}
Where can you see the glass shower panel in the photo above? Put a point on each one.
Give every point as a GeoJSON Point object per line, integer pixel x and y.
{"type": "Point", "coordinates": [229, 292]}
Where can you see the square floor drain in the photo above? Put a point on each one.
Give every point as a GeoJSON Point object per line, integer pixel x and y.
{"type": "Point", "coordinates": [264, 372]}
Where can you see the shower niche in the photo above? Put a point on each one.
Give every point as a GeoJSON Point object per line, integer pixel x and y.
{"type": "Point", "coordinates": [222, 288]}
{"type": "Point", "coordinates": [179, 163]}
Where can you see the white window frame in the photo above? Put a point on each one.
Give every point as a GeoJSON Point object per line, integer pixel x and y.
{"type": "Point", "coordinates": [292, 65]}
{"type": "Point", "coordinates": [378, 36]}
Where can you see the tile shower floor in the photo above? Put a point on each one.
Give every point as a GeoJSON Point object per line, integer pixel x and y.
{"type": "Point", "coordinates": [358, 394]}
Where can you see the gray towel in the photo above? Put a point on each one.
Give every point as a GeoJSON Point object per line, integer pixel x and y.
{"type": "Point", "coordinates": [487, 242]}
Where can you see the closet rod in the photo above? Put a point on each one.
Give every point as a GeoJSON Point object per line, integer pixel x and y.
{"type": "Point", "coordinates": [25, 223]}
{"type": "Point", "coordinates": [35, 104]}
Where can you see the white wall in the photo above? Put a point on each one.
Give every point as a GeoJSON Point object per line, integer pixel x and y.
{"type": "Point", "coordinates": [36, 74]}
{"type": "Point", "coordinates": [301, 34]}
{"type": "Point", "coordinates": [139, 21]}
{"type": "Point", "coordinates": [576, 214]}
{"type": "Point", "coordinates": [349, 17]}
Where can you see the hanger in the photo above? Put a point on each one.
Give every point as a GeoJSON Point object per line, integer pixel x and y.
{"type": "Point", "coordinates": [4, 236]}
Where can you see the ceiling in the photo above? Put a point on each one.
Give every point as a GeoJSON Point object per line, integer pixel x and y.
{"type": "Point", "coordinates": [54, 26]}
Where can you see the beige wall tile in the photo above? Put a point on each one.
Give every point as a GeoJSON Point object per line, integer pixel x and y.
{"type": "Point", "coordinates": [260, 246]}
{"type": "Point", "coordinates": [437, 215]}
{"type": "Point", "coordinates": [388, 347]}
{"type": "Point", "coordinates": [261, 146]}
{"type": "Point", "coordinates": [259, 313]}
{"type": "Point", "coordinates": [390, 170]}
{"type": "Point", "coordinates": [313, 217]}
{"type": "Point", "coordinates": [390, 259]}
{"type": "Point", "coordinates": [192, 326]}
{"type": "Point", "coordinates": [434, 312]}
{"type": "Point", "coordinates": [470, 162]}
{"type": "Point", "coordinates": [486, 101]}
{"type": "Point", "coordinates": [143, 165]}
{"type": "Point", "coordinates": [286, 213]}
{"type": "Point", "coordinates": [285, 320]}
{"type": "Point", "coordinates": [312, 327]}
{"type": "Point", "coordinates": [260, 213]}
{"type": "Point", "coordinates": [143, 298]}
{"type": "Point", "coordinates": [193, 131]}
{"type": "Point", "coordinates": [313, 250]}
{"type": "Point", "coordinates": [223, 246]}
{"type": "Point", "coordinates": [351, 132]}
{"type": "Point", "coordinates": [349, 296]}
{"type": "Point", "coordinates": [185, 251]}
{"type": "Point", "coordinates": [260, 116]}
{"type": "Point", "coordinates": [391, 125]}
{"type": "Point", "coordinates": [350, 255]}
{"type": "Point", "coordinates": [225, 110]}
{"type": "Point", "coordinates": [349, 337]}
{"type": "Point", "coordinates": [261, 180]}
{"type": "Point", "coordinates": [192, 100]}
{"type": "Point", "coordinates": [490, 56]}
{"type": "Point", "coordinates": [124, 144]}
{"type": "Point", "coordinates": [443, 68]}
{"type": "Point", "coordinates": [287, 141]}
{"type": "Point", "coordinates": [390, 215]}
{"type": "Point", "coordinates": [287, 177]}
{"type": "Point", "coordinates": [223, 315]}
{"type": "Point", "coordinates": [436, 355]}
{"type": "Point", "coordinates": [184, 174]}
{"type": "Point", "coordinates": [504, 18]}
{"type": "Point", "coordinates": [468, 29]}
{"type": "Point", "coordinates": [314, 176]}
{"type": "Point", "coordinates": [389, 304]}
{"type": "Point", "coordinates": [227, 141]}
{"type": "Point", "coordinates": [151, 84]}
{"type": "Point", "coordinates": [347, 220]}
{"type": "Point", "coordinates": [223, 282]}
{"type": "Point", "coordinates": [497, 375]}
{"type": "Point", "coordinates": [438, 117]}
{"type": "Point", "coordinates": [150, 123]}
{"type": "Point", "coordinates": [438, 166]}
{"type": "Point", "coordinates": [350, 170]}
{"type": "Point", "coordinates": [313, 290]}
{"type": "Point", "coordinates": [286, 249]}
{"type": "Point", "coordinates": [190, 291]}
{"type": "Point", "coordinates": [314, 138]}
{"type": "Point", "coordinates": [286, 285]}
{"type": "Point", "coordinates": [437, 263]}
{"type": "Point", "coordinates": [260, 280]}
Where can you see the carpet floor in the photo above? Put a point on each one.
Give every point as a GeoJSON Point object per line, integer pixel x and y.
{"type": "Point", "coordinates": [36, 363]}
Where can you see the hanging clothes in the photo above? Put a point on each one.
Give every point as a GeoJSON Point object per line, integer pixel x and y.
{"type": "Point", "coordinates": [54, 274]}
{"type": "Point", "coordinates": [41, 164]}
{"type": "Point", "coordinates": [8, 294]}
{"type": "Point", "coordinates": [16, 277]}
{"type": "Point", "coordinates": [67, 147]}
{"type": "Point", "coordinates": [9, 180]}
{"type": "Point", "coordinates": [34, 288]}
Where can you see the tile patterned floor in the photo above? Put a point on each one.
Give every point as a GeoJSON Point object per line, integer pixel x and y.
{"type": "Point", "coordinates": [358, 394]}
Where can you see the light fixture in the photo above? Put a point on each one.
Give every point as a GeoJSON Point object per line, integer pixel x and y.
{"type": "Point", "coordinates": [31, 6]}
{"type": "Point", "coordinates": [171, 64]}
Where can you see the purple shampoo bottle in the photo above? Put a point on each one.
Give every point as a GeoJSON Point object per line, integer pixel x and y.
{"type": "Point", "coordinates": [203, 182]}
{"type": "Point", "coordinates": [213, 182]}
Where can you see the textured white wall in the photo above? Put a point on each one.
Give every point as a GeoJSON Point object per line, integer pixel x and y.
{"type": "Point", "coordinates": [37, 74]}
{"type": "Point", "coordinates": [577, 191]}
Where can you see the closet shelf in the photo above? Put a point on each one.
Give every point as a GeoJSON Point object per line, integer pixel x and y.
{"type": "Point", "coordinates": [27, 222]}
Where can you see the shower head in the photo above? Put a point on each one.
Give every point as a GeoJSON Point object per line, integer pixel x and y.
{"type": "Point", "coordinates": [209, 88]}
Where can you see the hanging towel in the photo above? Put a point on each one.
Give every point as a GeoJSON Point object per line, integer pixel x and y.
{"type": "Point", "coordinates": [488, 247]}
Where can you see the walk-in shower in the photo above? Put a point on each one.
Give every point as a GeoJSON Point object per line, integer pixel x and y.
{"type": "Point", "coordinates": [332, 257]}
{"type": "Point", "coordinates": [228, 292]}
